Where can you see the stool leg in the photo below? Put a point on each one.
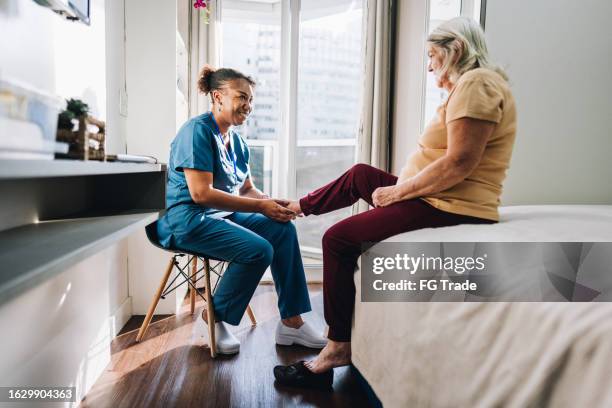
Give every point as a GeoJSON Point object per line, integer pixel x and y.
{"type": "Point", "coordinates": [209, 310]}
{"type": "Point", "coordinates": [251, 316]}
{"type": "Point", "coordinates": [192, 292]}
{"type": "Point", "coordinates": [160, 290]}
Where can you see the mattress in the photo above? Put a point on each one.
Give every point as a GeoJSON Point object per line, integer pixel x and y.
{"type": "Point", "coordinates": [492, 354]}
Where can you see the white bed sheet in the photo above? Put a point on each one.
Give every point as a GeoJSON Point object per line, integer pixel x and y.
{"type": "Point", "coordinates": [492, 354]}
{"type": "Point", "coordinates": [532, 223]}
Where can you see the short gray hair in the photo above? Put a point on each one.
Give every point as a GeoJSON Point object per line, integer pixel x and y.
{"type": "Point", "coordinates": [463, 44]}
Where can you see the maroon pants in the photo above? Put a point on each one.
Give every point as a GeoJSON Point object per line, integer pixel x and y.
{"type": "Point", "coordinates": [342, 242]}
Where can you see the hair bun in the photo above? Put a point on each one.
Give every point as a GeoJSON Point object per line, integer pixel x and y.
{"type": "Point", "coordinates": [204, 78]}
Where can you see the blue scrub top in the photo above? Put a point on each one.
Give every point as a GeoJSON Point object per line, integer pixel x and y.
{"type": "Point", "coordinates": [199, 145]}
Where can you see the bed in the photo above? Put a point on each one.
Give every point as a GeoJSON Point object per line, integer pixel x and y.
{"type": "Point", "coordinates": [492, 354]}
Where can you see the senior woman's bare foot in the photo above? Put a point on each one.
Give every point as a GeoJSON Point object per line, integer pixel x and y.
{"type": "Point", "coordinates": [334, 354]}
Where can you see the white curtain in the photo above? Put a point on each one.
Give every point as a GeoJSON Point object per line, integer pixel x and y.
{"type": "Point", "coordinates": [378, 39]}
{"type": "Point", "coordinates": [205, 49]}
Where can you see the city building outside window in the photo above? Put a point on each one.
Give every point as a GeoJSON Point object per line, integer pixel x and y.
{"type": "Point", "coordinates": [328, 96]}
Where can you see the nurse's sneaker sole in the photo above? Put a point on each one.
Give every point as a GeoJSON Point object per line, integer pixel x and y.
{"type": "Point", "coordinates": [305, 336]}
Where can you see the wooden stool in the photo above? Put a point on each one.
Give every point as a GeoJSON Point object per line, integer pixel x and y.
{"type": "Point", "coordinates": [190, 279]}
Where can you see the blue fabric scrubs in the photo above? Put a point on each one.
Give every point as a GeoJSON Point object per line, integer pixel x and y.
{"type": "Point", "coordinates": [251, 241]}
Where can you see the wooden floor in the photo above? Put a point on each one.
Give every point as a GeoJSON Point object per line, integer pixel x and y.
{"type": "Point", "coordinates": [172, 366]}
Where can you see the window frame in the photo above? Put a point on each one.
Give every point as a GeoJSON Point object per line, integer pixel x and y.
{"type": "Point", "coordinates": [285, 181]}
{"type": "Point", "coordinates": [466, 9]}
{"type": "Point", "coordinates": [285, 147]}
{"type": "Point", "coordinates": [290, 41]}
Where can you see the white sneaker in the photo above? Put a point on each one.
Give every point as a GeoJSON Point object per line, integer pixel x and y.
{"type": "Point", "coordinates": [306, 335]}
{"type": "Point", "coordinates": [226, 342]}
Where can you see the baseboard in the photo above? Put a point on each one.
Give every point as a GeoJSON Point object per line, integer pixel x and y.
{"type": "Point", "coordinates": [313, 275]}
{"type": "Point", "coordinates": [121, 316]}
{"type": "Point", "coordinates": [372, 398]}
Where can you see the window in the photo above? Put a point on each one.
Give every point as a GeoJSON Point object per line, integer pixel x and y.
{"type": "Point", "coordinates": [440, 11]}
{"type": "Point", "coordinates": [329, 75]}
{"type": "Point", "coordinates": [251, 43]}
{"type": "Point", "coordinates": [324, 51]}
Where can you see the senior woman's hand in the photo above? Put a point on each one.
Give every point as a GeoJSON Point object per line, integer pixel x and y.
{"type": "Point", "coordinates": [276, 210]}
{"type": "Point", "coordinates": [385, 196]}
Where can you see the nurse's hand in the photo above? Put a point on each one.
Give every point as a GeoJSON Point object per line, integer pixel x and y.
{"type": "Point", "coordinates": [275, 210]}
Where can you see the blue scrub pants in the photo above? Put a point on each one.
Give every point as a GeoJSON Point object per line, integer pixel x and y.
{"type": "Point", "coordinates": [252, 242]}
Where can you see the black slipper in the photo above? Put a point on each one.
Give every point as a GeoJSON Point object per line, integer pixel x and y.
{"type": "Point", "coordinates": [298, 375]}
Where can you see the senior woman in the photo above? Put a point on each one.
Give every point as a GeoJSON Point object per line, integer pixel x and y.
{"type": "Point", "coordinates": [213, 208]}
{"type": "Point", "coordinates": [454, 177]}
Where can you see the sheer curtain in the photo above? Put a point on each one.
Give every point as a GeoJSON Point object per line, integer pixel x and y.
{"type": "Point", "coordinates": [375, 129]}
{"type": "Point", "coordinates": [205, 49]}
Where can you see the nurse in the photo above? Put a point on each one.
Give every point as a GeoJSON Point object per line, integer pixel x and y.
{"type": "Point", "coordinates": [213, 208]}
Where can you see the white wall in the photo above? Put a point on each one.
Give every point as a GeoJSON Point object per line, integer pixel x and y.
{"type": "Point", "coordinates": [557, 53]}
{"type": "Point", "coordinates": [53, 54]}
{"type": "Point", "coordinates": [151, 124]}
{"type": "Point", "coordinates": [60, 331]}
{"type": "Point", "coordinates": [116, 92]}
{"type": "Point", "coordinates": [151, 76]}
{"type": "Point", "coordinates": [559, 57]}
